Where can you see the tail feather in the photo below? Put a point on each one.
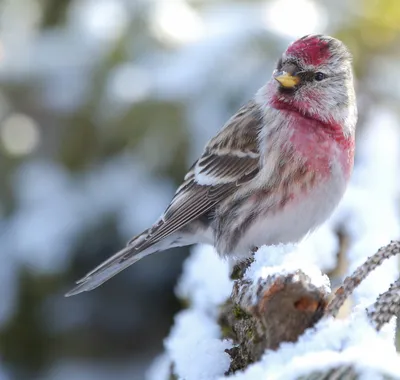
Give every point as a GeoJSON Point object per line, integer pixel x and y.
{"type": "Point", "coordinates": [115, 264]}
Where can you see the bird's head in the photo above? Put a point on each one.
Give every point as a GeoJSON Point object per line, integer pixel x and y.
{"type": "Point", "coordinates": [314, 77]}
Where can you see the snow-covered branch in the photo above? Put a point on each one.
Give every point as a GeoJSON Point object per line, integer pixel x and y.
{"type": "Point", "coordinates": [273, 304]}
{"type": "Point", "coordinates": [267, 309]}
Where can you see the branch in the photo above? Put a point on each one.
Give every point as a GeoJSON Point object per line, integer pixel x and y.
{"type": "Point", "coordinates": [351, 282]}
{"type": "Point", "coordinates": [386, 306]}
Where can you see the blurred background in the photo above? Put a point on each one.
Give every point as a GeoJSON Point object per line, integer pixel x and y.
{"type": "Point", "coordinates": [104, 104]}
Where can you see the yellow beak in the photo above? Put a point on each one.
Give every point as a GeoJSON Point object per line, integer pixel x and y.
{"type": "Point", "coordinates": [287, 80]}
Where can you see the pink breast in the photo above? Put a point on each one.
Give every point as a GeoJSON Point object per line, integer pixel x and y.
{"type": "Point", "coordinates": [321, 144]}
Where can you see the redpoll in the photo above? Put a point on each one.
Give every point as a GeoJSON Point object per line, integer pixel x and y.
{"type": "Point", "coordinates": [274, 172]}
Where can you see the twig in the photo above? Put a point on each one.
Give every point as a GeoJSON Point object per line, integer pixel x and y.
{"type": "Point", "coordinates": [386, 306]}
{"type": "Point", "coordinates": [351, 282]}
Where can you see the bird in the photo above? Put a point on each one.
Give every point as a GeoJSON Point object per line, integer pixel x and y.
{"type": "Point", "coordinates": [275, 171]}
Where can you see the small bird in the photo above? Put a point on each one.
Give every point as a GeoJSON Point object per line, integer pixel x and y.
{"type": "Point", "coordinates": [274, 172]}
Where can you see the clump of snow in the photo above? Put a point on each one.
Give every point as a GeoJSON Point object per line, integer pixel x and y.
{"type": "Point", "coordinates": [205, 280]}
{"type": "Point", "coordinates": [284, 259]}
{"type": "Point", "coordinates": [195, 347]}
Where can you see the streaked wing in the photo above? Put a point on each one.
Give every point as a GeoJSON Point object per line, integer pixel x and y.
{"type": "Point", "coordinates": [229, 160]}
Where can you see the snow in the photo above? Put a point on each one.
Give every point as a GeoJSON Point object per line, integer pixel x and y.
{"type": "Point", "coordinates": [283, 259]}
{"type": "Point", "coordinates": [205, 281]}
{"type": "Point", "coordinates": [195, 347]}
{"type": "Point", "coordinates": [194, 344]}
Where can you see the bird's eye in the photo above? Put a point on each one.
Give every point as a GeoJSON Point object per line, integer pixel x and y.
{"type": "Point", "coordinates": [319, 76]}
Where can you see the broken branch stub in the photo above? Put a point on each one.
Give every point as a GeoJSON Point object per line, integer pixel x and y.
{"type": "Point", "coordinates": [285, 304]}
{"type": "Point", "coordinates": [276, 309]}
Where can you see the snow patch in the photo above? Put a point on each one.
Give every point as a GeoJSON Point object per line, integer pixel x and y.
{"type": "Point", "coordinates": [284, 259]}
{"type": "Point", "coordinates": [205, 281]}
{"type": "Point", "coordinates": [195, 347]}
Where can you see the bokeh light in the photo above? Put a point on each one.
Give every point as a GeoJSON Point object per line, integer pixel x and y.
{"type": "Point", "coordinates": [177, 22]}
{"type": "Point", "coordinates": [19, 135]}
{"type": "Point", "coordinates": [294, 18]}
